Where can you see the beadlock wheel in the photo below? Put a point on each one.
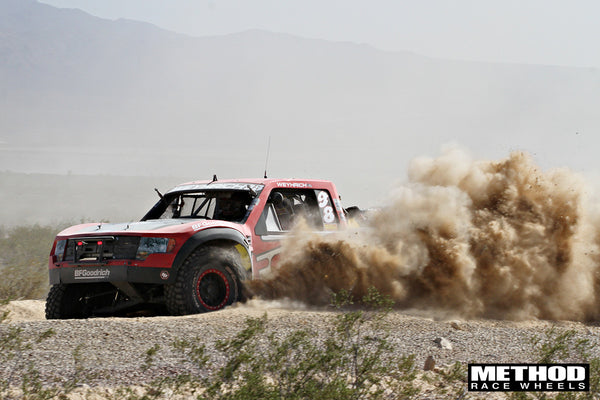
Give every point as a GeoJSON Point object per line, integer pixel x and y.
{"type": "Point", "coordinates": [212, 289]}
{"type": "Point", "coordinates": [208, 280]}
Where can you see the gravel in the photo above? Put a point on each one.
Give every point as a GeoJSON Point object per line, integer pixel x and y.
{"type": "Point", "coordinates": [113, 349]}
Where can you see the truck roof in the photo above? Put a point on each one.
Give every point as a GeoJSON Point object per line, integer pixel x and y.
{"type": "Point", "coordinates": [263, 181]}
{"type": "Point", "coordinates": [267, 182]}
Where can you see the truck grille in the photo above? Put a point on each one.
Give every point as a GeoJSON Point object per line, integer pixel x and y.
{"type": "Point", "coordinates": [101, 248]}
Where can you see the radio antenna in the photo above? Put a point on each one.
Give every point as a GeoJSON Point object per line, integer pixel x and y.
{"type": "Point", "coordinates": [267, 160]}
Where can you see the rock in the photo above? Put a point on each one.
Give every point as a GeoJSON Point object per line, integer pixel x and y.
{"type": "Point", "coordinates": [443, 343]}
{"type": "Point", "coordinates": [429, 364]}
{"type": "Point", "coordinates": [456, 325]}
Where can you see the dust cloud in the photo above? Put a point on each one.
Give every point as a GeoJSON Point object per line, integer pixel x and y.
{"type": "Point", "coordinates": [476, 239]}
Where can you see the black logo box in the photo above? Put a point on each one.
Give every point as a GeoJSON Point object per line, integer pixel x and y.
{"type": "Point", "coordinates": [528, 377]}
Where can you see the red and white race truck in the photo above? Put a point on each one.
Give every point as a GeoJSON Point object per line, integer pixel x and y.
{"type": "Point", "coordinates": [190, 253]}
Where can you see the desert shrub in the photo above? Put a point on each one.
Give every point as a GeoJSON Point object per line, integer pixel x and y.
{"type": "Point", "coordinates": [556, 345]}
{"type": "Point", "coordinates": [24, 252]}
{"type": "Point", "coordinates": [354, 360]}
{"type": "Point", "coordinates": [19, 377]}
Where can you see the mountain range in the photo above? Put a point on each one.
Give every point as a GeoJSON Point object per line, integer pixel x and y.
{"type": "Point", "coordinates": [89, 95]}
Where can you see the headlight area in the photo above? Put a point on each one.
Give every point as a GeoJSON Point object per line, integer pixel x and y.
{"type": "Point", "coordinates": [153, 245]}
{"type": "Point", "coordinates": [59, 251]}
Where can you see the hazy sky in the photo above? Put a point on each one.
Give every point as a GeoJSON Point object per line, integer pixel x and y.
{"type": "Point", "coordinates": [556, 120]}
{"type": "Point", "coordinates": [555, 32]}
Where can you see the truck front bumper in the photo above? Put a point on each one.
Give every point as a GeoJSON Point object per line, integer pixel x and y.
{"type": "Point", "coordinates": [109, 273]}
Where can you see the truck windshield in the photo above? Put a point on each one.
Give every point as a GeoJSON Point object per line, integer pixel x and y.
{"type": "Point", "coordinates": [227, 205]}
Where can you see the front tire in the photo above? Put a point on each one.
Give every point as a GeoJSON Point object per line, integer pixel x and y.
{"type": "Point", "coordinates": [206, 281]}
{"type": "Point", "coordinates": [64, 302]}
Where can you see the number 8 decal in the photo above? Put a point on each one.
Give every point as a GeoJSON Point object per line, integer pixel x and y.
{"type": "Point", "coordinates": [328, 216]}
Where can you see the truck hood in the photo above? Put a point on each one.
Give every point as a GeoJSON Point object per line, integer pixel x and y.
{"type": "Point", "coordinates": [158, 226]}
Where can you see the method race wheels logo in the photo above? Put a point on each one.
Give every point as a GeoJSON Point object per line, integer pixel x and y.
{"type": "Point", "coordinates": [529, 377]}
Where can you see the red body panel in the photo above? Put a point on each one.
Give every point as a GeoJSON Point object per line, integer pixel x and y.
{"type": "Point", "coordinates": [263, 250]}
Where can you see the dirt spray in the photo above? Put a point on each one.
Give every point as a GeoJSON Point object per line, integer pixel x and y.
{"type": "Point", "coordinates": [496, 239]}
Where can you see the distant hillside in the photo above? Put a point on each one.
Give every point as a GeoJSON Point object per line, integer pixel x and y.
{"type": "Point", "coordinates": [67, 77]}
{"type": "Point", "coordinates": [95, 96]}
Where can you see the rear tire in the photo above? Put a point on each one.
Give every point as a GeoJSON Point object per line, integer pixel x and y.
{"type": "Point", "coordinates": [207, 280]}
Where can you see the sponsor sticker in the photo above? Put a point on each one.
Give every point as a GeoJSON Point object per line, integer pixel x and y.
{"type": "Point", "coordinates": [200, 225]}
{"type": "Point", "coordinates": [529, 377]}
{"type": "Point", "coordinates": [294, 185]}
{"type": "Point", "coordinates": [256, 187]}
{"type": "Point", "coordinates": [164, 275]}
{"type": "Point", "coordinates": [267, 255]}
{"type": "Point", "coordinates": [91, 273]}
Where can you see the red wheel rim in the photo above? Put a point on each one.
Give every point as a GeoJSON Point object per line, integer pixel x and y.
{"type": "Point", "coordinates": [212, 289]}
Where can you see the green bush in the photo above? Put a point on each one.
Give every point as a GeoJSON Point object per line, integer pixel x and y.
{"type": "Point", "coordinates": [24, 252]}
{"type": "Point", "coordinates": [21, 379]}
{"type": "Point", "coordinates": [353, 362]}
{"type": "Point", "coordinates": [562, 346]}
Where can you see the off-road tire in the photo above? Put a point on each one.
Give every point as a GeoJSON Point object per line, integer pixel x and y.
{"type": "Point", "coordinates": [208, 280]}
{"type": "Point", "coordinates": [63, 302]}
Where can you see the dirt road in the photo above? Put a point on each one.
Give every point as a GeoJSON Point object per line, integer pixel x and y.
{"type": "Point", "coordinates": [112, 350]}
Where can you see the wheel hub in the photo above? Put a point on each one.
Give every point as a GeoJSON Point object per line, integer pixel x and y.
{"type": "Point", "coordinates": [212, 289]}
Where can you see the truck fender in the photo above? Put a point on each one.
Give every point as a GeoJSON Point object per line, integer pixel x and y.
{"type": "Point", "coordinates": [216, 235]}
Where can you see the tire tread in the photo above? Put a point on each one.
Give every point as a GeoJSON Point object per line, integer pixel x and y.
{"type": "Point", "coordinates": [175, 293]}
